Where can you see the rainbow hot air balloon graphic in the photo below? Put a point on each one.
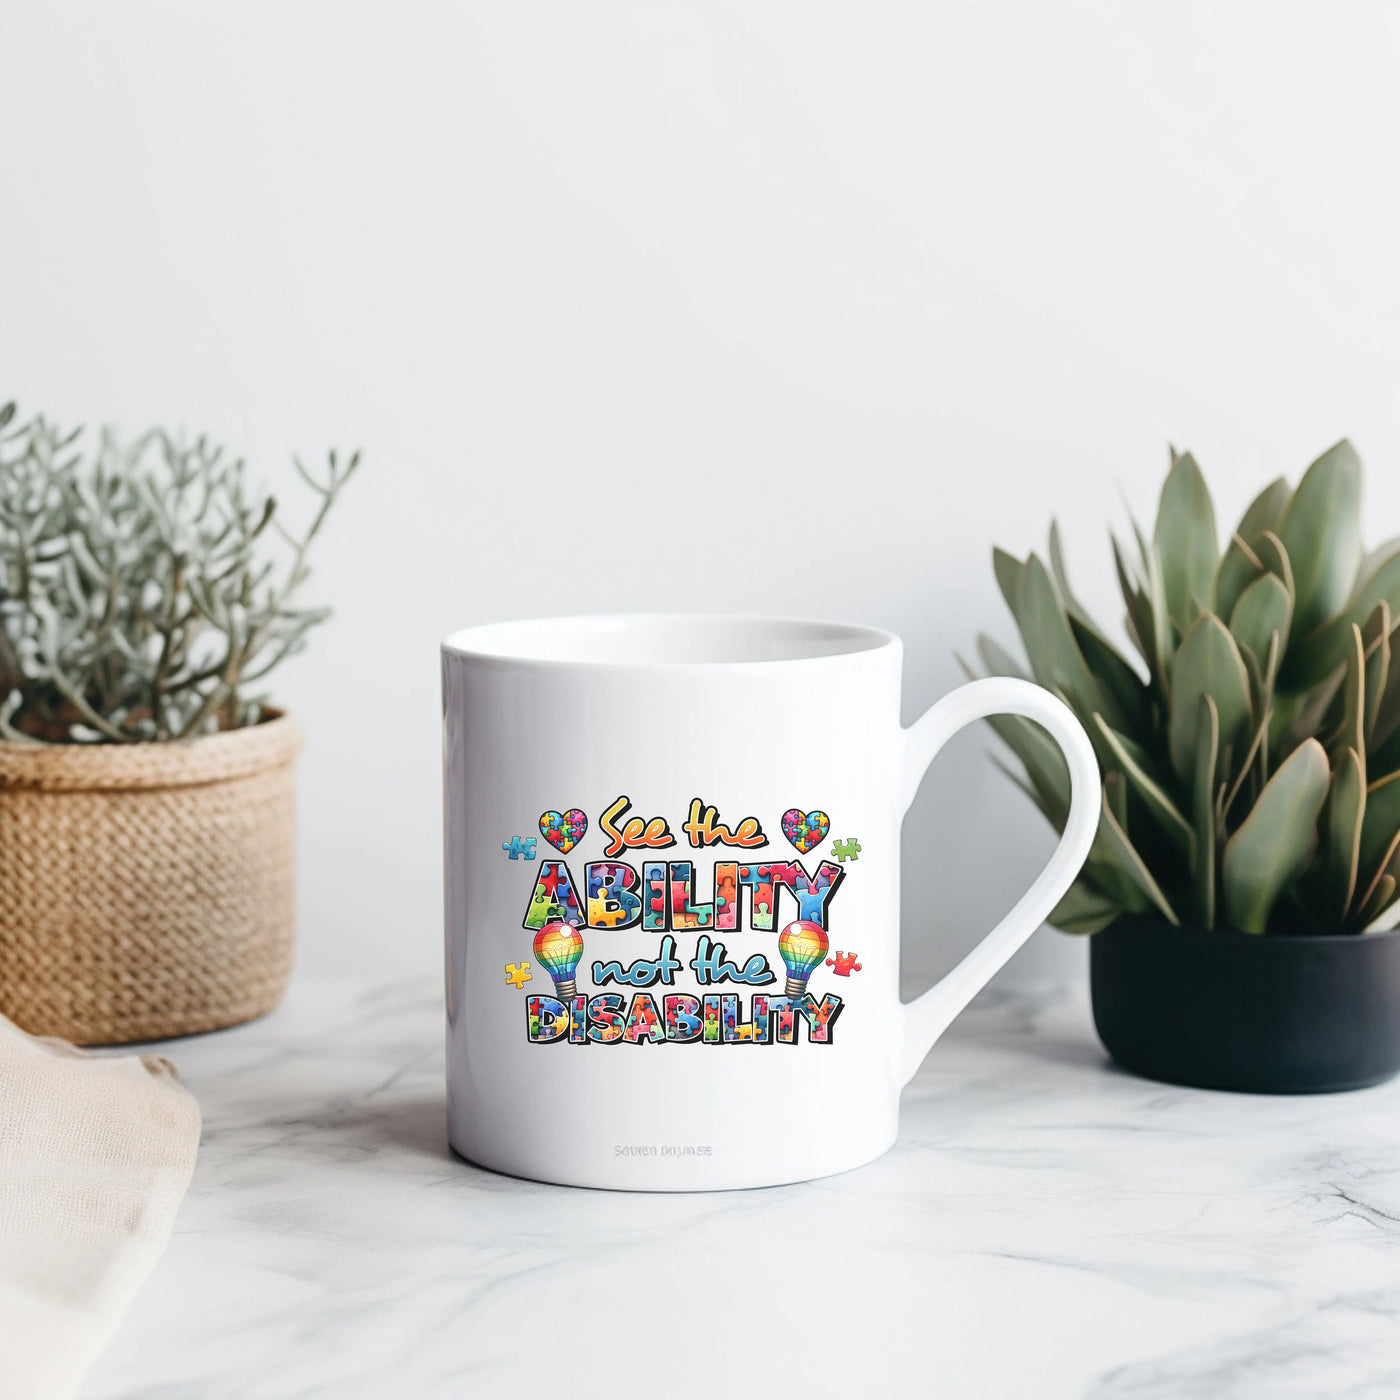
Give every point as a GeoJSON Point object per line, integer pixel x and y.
{"type": "Point", "coordinates": [801, 945]}
{"type": "Point", "coordinates": [558, 947]}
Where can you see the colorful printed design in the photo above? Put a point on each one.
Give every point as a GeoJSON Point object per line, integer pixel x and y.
{"type": "Point", "coordinates": [656, 896]}
{"type": "Point", "coordinates": [726, 894]}
{"type": "Point", "coordinates": [786, 1012]}
{"type": "Point", "coordinates": [762, 898]}
{"type": "Point", "coordinates": [643, 1023]}
{"type": "Point", "coordinates": [544, 1018]}
{"type": "Point", "coordinates": [820, 1016]}
{"type": "Point", "coordinates": [611, 903]}
{"type": "Point", "coordinates": [563, 830]}
{"type": "Point", "coordinates": [558, 949]}
{"type": "Point", "coordinates": [806, 830]}
{"type": "Point", "coordinates": [802, 945]}
{"type": "Point", "coordinates": [712, 1018]}
{"type": "Point", "coordinates": [654, 885]}
{"type": "Point", "coordinates": [682, 1017]}
{"type": "Point", "coordinates": [736, 1030]}
{"type": "Point", "coordinates": [685, 913]}
{"type": "Point", "coordinates": [760, 1020]}
{"type": "Point", "coordinates": [554, 900]}
{"type": "Point", "coordinates": [578, 1019]}
{"type": "Point", "coordinates": [581, 1020]}
{"type": "Point", "coordinates": [605, 1019]}
{"type": "Point", "coordinates": [813, 892]}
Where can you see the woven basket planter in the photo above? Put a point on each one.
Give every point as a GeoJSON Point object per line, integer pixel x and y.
{"type": "Point", "coordinates": [147, 890]}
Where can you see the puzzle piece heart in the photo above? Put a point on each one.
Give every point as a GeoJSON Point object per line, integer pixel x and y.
{"type": "Point", "coordinates": [563, 830]}
{"type": "Point", "coordinates": [805, 829]}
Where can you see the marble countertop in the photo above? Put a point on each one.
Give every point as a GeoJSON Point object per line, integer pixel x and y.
{"type": "Point", "coordinates": [1046, 1226]}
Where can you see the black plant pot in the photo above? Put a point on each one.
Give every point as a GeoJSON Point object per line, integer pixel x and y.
{"type": "Point", "coordinates": [1263, 1014]}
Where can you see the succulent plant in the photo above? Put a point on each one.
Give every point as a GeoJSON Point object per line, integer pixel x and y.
{"type": "Point", "coordinates": [141, 592]}
{"type": "Point", "coordinates": [1251, 762]}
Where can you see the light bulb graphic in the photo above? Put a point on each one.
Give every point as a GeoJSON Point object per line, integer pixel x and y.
{"type": "Point", "coordinates": [801, 945]}
{"type": "Point", "coordinates": [558, 947]}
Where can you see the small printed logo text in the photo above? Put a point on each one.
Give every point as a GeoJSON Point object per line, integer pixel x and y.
{"type": "Point", "coordinates": [651, 1149]}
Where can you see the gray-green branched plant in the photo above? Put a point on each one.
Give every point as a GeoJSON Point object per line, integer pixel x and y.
{"type": "Point", "coordinates": [1251, 766]}
{"type": "Point", "coordinates": [144, 594]}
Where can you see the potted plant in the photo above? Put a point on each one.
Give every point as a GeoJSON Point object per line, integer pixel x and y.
{"type": "Point", "coordinates": [1242, 889]}
{"type": "Point", "coordinates": [147, 798]}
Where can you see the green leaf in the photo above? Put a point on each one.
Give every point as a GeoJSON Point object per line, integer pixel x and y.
{"type": "Point", "coordinates": [1263, 609]}
{"type": "Point", "coordinates": [1115, 676]}
{"type": "Point", "coordinates": [1044, 763]}
{"type": "Point", "coordinates": [1322, 532]}
{"type": "Point", "coordinates": [1113, 673]}
{"type": "Point", "coordinates": [1377, 637]}
{"type": "Point", "coordinates": [1114, 844]}
{"type": "Point", "coordinates": [1261, 700]}
{"type": "Point", "coordinates": [1379, 827]}
{"type": "Point", "coordinates": [1301, 713]}
{"type": "Point", "coordinates": [1372, 564]}
{"type": "Point", "coordinates": [1025, 785]}
{"type": "Point", "coordinates": [1385, 756]}
{"type": "Point", "coordinates": [1326, 647]}
{"type": "Point", "coordinates": [1203, 812]}
{"type": "Point", "coordinates": [1208, 664]}
{"type": "Point", "coordinates": [1351, 732]}
{"type": "Point", "coordinates": [1387, 721]}
{"type": "Point", "coordinates": [1163, 640]}
{"type": "Point", "coordinates": [1115, 791]}
{"type": "Point", "coordinates": [997, 660]}
{"type": "Point", "coordinates": [1084, 910]}
{"type": "Point", "coordinates": [1237, 569]}
{"type": "Point", "coordinates": [1186, 541]}
{"type": "Point", "coordinates": [1378, 893]}
{"type": "Point", "coordinates": [1142, 628]}
{"type": "Point", "coordinates": [1277, 840]}
{"type": "Point", "coordinates": [1055, 658]}
{"type": "Point", "coordinates": [1346, 802]}
{"type": "Point", "coordinates": [1057, 568]}
{"type": "Point", "coordinates": [1273, 554]}
{"type": "Point", "coordinates": [1374, 906]}
{"type": "Point", "coordinates": [1007, 569]}
{"type": "Point", "coordinates": [1137, 768]}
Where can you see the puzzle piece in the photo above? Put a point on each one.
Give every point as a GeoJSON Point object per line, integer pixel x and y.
{"type": "Point", "coordinates": [519, 846]}
{"type": "Point", "coordinates": [563, 830]}
{"type": "Point", "coordinates": [844, 963]}
{"type": "Point", "coordinates": [518, 974]}
{"type": "Point", "coordinates": [806, 830]}
{"type": "Point", "coordinates": [844, 850]}
{"type": "Point", "coordinates": [547, 909]}
{"type": "Point", "coordinates": [604, 912]}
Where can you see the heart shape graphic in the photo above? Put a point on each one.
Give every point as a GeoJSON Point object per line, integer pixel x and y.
{"type": "Point", "coordinates": [563, 830]}
{"type": "Point", "coordinates": [805, 829]}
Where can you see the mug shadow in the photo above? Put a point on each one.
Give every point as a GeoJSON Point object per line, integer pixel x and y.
{"type": "Point", "coordinates": [406, 1130]}
{"type": "Point", "coordinates": [415, 1126]}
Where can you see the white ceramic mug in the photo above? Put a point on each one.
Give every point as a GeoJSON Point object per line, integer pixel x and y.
{"type": "Point", "coordinates": [672, 869]}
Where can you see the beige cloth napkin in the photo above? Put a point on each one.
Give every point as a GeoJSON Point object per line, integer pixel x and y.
{"type": "Point", "coordinates": [95, 1156]}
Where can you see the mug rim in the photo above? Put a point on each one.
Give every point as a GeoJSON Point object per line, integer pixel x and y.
{"type": "Point", "coordinates": [793, 640]}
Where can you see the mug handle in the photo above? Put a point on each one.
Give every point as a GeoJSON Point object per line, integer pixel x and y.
{"type": "Point", "coordinates": [928, 1016]}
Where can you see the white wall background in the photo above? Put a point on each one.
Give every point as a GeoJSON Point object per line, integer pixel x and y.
{"type": "Point", "coordinates": [689, 295]}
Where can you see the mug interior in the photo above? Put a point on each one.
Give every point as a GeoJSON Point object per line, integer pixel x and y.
{"type": "Point", "coordinates": [662, 639]}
